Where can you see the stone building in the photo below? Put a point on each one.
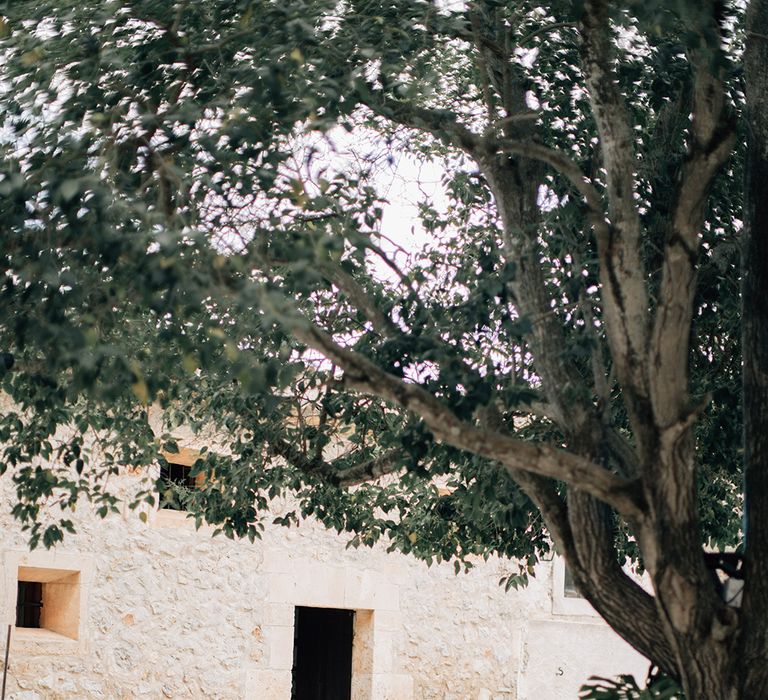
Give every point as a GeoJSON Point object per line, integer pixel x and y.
{"type": "Point", "coordinates": [149, 607]}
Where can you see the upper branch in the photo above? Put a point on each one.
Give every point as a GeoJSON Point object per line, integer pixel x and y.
{"type": "Point", "coordinates": [441, 123]}
{"type": "Point", "coordinates": [617, 142]}
{"type": "Point", "coordinates": [566, 166]}
{"type": "Point", "coordinates": [712, 140]}
{"type": "Point", "coordinates": [444, 123]}
{"type": "Point", "coordinates": [625, 297]}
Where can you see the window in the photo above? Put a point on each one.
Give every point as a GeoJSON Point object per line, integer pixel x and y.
{"type": "Point", "coordinates": [45, 595]}
{"type": "Point", "coordinates": [48, 599]}
{"type": "Point", "coordinates": [569, 585]}
{"type": "Point", "coordinates": [177, 481]}
{"type": "Point", "coordinates": [566, 599]}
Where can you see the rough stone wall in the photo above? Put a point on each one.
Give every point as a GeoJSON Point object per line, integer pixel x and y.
{"type": "Point", "coordinates": [171, 612]}
{"type": "Point", "coordinates": [175, 613]}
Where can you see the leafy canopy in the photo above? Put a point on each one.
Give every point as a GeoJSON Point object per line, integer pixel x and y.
{"type": "Point", "coordinates": [174, 217]}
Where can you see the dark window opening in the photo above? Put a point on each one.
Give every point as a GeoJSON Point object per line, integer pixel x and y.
{"type": "Point", "coordinates": [322, 654]}
{"type": "Point", "coordinates": [176, 481]}
{"type": "Point", "coordinates": [29, 604]}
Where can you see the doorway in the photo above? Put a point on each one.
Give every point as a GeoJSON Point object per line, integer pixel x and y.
{"type": "Point", "coordinates": [322, 654]}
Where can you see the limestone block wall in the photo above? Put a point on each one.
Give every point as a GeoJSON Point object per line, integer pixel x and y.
{"type": "Point", "coordinates": [169, 612]}
{"type": "Point", "coordinates": [165, 613]}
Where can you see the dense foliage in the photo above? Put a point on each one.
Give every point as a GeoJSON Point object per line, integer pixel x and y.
{"type": "Point", "coordinates": [153, 158]}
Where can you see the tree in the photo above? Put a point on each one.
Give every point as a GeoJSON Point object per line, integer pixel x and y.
{"type": "Point", "coordinates": [565, 353]}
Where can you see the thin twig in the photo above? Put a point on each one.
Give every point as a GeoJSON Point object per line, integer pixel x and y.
{"type": "Point", "coordinates": [544, 29]}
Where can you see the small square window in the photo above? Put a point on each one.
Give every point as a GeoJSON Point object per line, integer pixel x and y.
{"type": "Point", "coordinates": [48, 599]}
{"type": "Point", "coordinates": [176, 483]}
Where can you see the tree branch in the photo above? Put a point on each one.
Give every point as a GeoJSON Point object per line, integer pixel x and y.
{"type": "Point", "coordinates": [619, 600]}
{"type": "Point", "coordinates": [363, 375]}
{"type": "Point", "coordinates": [618, 446]}
{"type": "Point", "coordinates": [368, 470]}
{"type": "Point", "coordinates": [543, 30]}
{"type": "Point", "coordinates": [561, 163]}
{"type": "Point", "coordinates": [441, 123]}
{"type": "Point", "coordinates": [359, 297]}
{"type": "Point", "coordinates": [387, 463]}
{"type": "Point", "coordinates": [625, 299]}
{"type": "Point", "coordinates": [624, 605]}
{"type": "Point", "coordinates": [712, 140]}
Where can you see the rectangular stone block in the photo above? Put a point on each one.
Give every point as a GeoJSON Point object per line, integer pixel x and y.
{"type": "Point", "coordinates": [281, 614]}
{"type": "Point", "coordinates": [387, 620]}
{"type": "Point", "coordinates": [362, 686]}
{"type": "Point", "coordinates": [311, 585]}
{"type": "Point", "coordinates": [370, 590]}
{"type": "Point", "coordinates": [263, 684]}
{"type": "Point", "coordinates": [382, 652]}
{"type": "Point", "coordinates": [392, 686]}
{"type": "Point", "coordinates": [280, 641]}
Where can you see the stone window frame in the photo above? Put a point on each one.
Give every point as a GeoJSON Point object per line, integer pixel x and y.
{"type": "Point", "coordinates": [67, 570]}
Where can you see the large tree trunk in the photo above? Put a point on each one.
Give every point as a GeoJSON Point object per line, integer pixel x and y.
{"type": "Point", "coordinates": [755, 353]}
{"type": "Point", "coordinates": [723, 654]}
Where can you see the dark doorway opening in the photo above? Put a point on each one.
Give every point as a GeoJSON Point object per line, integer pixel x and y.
{"type": "Point", "coordinates": [29, 604]}
{"type": "Point", "coordinates": [322, 654]}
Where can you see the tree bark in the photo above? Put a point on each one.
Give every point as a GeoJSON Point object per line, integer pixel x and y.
{"type": "Point", "coordinates": [582, 530]}
{"type": "Point", "coordinates": [755, 354]}
{"type": "Point", "coordinates": [621, 602]}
